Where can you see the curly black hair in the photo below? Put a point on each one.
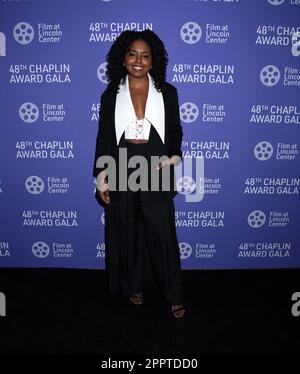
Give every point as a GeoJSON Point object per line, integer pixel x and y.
{"type": "Point", "coordinates": [116, 72]}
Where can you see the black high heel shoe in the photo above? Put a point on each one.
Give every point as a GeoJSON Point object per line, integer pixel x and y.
{"type": "Point", "coordinates": [137, 299]}
{"type": "Point", "coordinates": [179, 312]}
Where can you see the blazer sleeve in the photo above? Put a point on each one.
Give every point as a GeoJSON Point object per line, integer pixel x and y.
{"type": "Point", "coordinates": [175, 132]}
{"type": "Point", "coordinates": [103, 142]}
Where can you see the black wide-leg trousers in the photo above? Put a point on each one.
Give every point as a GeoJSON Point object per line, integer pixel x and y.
{"type": "Point", "coordinates": [141, 246]}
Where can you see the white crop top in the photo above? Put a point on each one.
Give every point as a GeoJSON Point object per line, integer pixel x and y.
{"type": "Point", "coordinates": [125, 117]}
{"type": "Point", "coordinates": [138, 129]}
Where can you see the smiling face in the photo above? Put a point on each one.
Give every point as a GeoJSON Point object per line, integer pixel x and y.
{"type": "Point", "coordinates": [138, 59]}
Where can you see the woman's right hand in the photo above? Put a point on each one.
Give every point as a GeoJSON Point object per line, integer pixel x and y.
{"type": "Point", "coordinates": [105, 196]}
{"type": "Point", "coordinates": [103, 187]}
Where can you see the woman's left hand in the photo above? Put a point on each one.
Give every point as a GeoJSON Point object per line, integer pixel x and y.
{"type": "Point", "coordinates": [174, 160]}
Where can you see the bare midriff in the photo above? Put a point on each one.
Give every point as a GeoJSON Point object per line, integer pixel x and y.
{"type": "Point", "coordinates": [136, 141]}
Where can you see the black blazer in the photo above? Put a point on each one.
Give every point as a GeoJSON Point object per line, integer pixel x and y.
{"type": "Point", "coordinates": [106, 143]}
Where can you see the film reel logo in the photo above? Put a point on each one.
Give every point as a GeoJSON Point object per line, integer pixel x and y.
{"type": "Point", "coordinates": [102, 73]}
{"type": "Point", "coordinates": [40, 249]}
{"type": "Point", "coordinates": [2, 45]}
{"type": "Point", "coordinates": [29, 112]}
{"type": "Point", "coordinates": [189, 112]}
{"type": "Point", "coordinates": [23, 33]}
{"type": "Point", "coordinates": [186, 185]}
{"type": "Point", "coordinates": [276, 2]}
{"type": "Point", "coordinates": [256, 219]}
{"type": "Point", "coordinates": [263, 151]}
{"type": "Point", "coordinates": [270, 75]}
{"type": "Point", "coordinates": [185, 250]}
{"type": "Point", "coordinates": [34, 185]}
{"type": "Point", "coordinates": [190, 32]}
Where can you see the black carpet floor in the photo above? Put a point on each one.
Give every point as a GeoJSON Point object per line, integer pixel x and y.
{"type": "Point", "coordinates": [228, 311]}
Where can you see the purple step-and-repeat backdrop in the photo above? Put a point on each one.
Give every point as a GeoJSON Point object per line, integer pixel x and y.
{"type": "Point", "coordinates": [236, 65]}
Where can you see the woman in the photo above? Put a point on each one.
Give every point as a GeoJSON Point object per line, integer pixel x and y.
{"type": "Point", "coordinates": [139, 114]}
